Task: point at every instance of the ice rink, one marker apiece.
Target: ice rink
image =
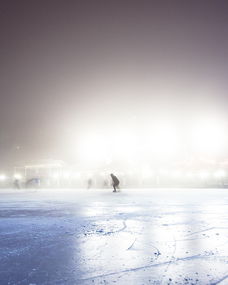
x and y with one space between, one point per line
135 237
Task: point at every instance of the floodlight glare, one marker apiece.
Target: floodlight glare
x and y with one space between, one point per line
2 177
209 137
220 173
18 176
146 173
66 175
125 145
163 171
93 149
163 140
55 175
176 174
76 175
203 175
189 174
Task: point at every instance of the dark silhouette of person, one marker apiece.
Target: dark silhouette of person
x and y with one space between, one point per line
90 182
16 184
115 181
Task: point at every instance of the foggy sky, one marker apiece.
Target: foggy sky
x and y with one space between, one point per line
68 67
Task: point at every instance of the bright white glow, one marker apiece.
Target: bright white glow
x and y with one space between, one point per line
124 146
163 172
146 173
176 174
2 177
162 140
76 175
189 174
158 142
93 149
104 174
209 137
204 174
55 175
66 175
18 176
220 173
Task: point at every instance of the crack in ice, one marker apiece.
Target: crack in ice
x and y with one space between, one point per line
197 256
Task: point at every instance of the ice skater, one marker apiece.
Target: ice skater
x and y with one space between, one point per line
89 183
115 181
16 184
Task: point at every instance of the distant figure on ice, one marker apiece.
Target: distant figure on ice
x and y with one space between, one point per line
105 183
115 181
89 183
16 184
35 182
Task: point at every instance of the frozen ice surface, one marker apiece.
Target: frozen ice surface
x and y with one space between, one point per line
153 236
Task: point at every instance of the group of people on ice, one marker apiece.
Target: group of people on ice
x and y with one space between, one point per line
35 182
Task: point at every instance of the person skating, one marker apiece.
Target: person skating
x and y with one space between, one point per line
89 183
115 181
16 184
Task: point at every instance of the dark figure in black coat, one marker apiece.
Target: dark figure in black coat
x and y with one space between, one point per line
115 181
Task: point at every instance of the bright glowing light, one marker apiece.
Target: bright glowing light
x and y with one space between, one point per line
94 149
2 177
220 173
159 140
176 174
204 174
163 171
162 140
76 175
189 174
55 175
125 146
209 137
146 173
18 176
104 174
66 175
